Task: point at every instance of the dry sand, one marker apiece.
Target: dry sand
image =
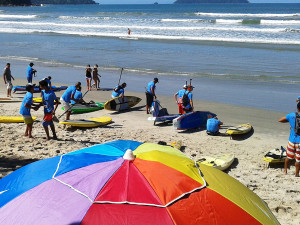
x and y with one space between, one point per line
280 192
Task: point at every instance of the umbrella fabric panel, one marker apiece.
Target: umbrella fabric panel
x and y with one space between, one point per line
115 214
181 164
72 162
90 180
208 207
47 204
237 193
128 185
149 147
26 178
115 148
167 183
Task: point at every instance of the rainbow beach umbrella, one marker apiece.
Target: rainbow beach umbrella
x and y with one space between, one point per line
127 183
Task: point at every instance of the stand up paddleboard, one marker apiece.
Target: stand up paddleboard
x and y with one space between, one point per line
13 119
117 104
221 162
240 129
37 89
4 100
276 155
94 122
40 99
192 120
86 108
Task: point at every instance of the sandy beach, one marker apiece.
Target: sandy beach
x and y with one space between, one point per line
280 192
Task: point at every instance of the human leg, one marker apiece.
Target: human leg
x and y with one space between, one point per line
53 130
290 153
47 132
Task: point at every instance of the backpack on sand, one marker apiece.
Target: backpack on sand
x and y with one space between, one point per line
185 99
297 124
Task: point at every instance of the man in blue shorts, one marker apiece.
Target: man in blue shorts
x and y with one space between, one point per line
292 150
150 94
30 72
213 125
49 99
119 91
67 97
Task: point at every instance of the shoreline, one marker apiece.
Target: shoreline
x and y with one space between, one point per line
276 189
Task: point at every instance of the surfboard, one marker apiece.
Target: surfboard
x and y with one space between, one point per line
191 120
276 155
11 100
116 104
85 108
39 99
37 89
220 162
239 129
13 119
176 144
162 118
94 122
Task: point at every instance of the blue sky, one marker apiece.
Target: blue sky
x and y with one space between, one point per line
171 1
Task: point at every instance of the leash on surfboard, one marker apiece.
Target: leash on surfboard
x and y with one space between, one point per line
73 105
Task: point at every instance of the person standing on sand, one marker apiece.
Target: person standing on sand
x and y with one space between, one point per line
27 104
67 96
96 77
7 79
178 98
30 72
150 94
292 150
49 99
88 77
187 100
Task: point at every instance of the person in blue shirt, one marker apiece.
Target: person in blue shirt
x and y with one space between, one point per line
30 72
26 105
150 94
119 91
292 150
50 104
67 96
78 96
213 125
48 80
188 106
178 98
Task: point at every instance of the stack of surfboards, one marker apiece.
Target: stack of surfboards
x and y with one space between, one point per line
276 155
94 122
117 104
13 119
192 120
239 129
220 162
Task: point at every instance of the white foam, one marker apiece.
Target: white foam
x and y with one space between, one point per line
259 15
280 22
181 20
17 16
226 21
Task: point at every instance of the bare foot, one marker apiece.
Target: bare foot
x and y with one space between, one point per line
25 135
31 137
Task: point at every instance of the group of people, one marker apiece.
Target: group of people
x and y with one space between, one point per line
92 74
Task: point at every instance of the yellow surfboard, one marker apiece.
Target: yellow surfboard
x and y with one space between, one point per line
13 119
39 99
220 162
240 129
94 122
117 104
275 155
11 99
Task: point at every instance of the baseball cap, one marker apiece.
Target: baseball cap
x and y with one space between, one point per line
29 86
156 79
31 64
185 86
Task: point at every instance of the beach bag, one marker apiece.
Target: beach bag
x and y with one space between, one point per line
185 99
154 109
297 124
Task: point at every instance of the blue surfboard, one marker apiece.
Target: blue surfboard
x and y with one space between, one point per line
192 120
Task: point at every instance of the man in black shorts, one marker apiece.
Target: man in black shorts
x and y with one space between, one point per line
150 94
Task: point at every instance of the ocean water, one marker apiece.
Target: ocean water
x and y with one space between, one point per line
241 54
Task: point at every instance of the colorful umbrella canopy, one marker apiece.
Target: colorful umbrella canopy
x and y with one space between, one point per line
154 185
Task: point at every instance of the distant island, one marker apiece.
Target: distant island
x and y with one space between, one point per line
209 1
39 2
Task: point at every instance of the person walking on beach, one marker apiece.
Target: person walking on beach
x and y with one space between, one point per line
293 150
213 125
150 94
96 77
88 77
26 106
7 79
49 99
30 72
67 96
187 100
119 91
178 98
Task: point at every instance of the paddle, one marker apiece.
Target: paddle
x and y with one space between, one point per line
120 76
73 105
